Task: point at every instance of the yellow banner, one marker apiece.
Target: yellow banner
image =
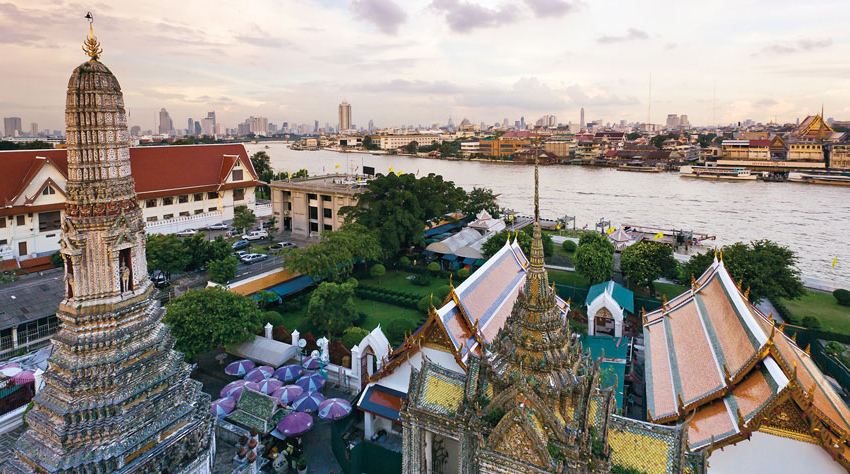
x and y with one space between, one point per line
834 261
610 231
659 235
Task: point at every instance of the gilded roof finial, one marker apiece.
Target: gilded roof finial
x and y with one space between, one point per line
693 282
91 46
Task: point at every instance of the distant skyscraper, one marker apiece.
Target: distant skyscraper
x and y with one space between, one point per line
135 130
197 128
315 126
684 122
190 126
371 125
673 121
522 122
581 122
209 124
12 125
165 125
344 116
33 129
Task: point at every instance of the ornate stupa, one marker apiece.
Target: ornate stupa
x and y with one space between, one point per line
116 396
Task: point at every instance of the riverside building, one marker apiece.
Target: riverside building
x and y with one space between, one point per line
310 206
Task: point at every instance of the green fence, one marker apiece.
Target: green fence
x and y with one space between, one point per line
365 457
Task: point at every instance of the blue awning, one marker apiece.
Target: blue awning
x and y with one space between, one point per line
450 257
383 401
427 253
441 228
468 261
292 286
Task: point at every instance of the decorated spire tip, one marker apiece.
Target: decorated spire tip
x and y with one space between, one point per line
91 46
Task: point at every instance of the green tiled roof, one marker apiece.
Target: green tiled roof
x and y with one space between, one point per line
622 295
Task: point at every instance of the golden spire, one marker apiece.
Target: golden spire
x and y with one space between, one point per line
91 46
537 240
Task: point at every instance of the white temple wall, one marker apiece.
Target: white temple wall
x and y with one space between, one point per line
770 453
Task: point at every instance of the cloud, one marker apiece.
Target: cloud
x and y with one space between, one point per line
799 46
632 34
550 8
465 16
258 37
403 86
384 14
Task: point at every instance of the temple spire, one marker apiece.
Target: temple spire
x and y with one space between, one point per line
537 237
92 46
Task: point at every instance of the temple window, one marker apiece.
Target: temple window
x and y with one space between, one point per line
236 175
125 269
167 201
238 194
150 203
48 191
183 198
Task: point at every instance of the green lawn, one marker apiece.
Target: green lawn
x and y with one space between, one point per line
383 313
397 280
669 289
567 278
832 316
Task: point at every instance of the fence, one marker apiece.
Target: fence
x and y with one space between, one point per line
364 457
828 364
176 224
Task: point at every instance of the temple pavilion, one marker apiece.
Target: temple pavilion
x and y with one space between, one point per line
750 398
497 383
116 396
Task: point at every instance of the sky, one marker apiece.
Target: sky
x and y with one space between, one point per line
422 61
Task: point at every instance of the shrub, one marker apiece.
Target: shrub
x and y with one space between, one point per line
424 303
462 274
280 334
569 246
273 317
377 271
352 336
56 259
404 260
434 267
842 296
811 322
834 347
353 282
422 280
442 292
397 328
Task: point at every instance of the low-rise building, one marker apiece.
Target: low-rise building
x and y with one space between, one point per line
470 147
745 149
392 142
503 147
310 206
805 150
178 187
839 157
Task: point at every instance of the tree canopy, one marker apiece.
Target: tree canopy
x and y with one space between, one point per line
166 254
480 199
331 307
204 320
765 267
398 207
335 255
497 241
222 270
594 257
647 261
261 162
243 218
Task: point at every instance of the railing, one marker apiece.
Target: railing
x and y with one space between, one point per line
263 210
43 332
5 343
176 224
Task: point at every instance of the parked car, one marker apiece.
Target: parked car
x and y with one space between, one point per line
160 280
253 258
240 253
256 235
187 232
218 226
278 246
240 244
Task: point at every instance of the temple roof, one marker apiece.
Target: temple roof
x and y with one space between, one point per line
713 358
621 295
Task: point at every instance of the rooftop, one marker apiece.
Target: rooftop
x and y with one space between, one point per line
337 183
31 298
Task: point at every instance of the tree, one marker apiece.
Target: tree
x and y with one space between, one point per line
222 270
594 262
412 147
266 298
369 143
203 320
433 267
647 261
569 246
331 307
695 266
597 239
377 271
302 173
166 254
842 296
270 227
198 250
398 208
336 254
632 136
219 249
243 218
352 336
398 328
480 199
261 162
497 241
706 140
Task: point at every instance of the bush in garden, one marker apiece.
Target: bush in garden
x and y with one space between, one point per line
462 274
842 296
397 328
404 261
434 267
353 335
811 322
569 246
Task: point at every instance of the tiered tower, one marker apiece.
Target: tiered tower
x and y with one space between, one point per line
117 397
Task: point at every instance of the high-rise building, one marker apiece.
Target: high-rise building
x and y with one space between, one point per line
190 126
12 126
165 125
344 117
684 122
209 124
135 131
522 122
33 129
673 121
315 126
197 128
372 126
581 122
121 383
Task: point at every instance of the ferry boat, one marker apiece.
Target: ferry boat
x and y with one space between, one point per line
716 172
640 168
817 178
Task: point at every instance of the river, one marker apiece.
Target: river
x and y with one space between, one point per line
810 219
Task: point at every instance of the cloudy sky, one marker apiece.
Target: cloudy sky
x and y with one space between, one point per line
421 61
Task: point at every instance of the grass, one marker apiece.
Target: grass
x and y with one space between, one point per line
567 278
668 289
383 313
397 280
833 317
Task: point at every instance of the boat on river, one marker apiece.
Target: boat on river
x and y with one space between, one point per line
640 168
716 172
820 178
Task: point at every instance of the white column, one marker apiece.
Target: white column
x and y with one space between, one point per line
368 429
591 330
429 440
618 328
14 337
355 364
295 337
268 328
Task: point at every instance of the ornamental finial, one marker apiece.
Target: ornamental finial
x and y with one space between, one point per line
91 46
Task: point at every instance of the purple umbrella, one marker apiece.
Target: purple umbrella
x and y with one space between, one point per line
259 373
308 402
295 424
11 369
268 386
222 406
24 377
334 409
288 394
311 364
312 382
239 368
288 373
233 389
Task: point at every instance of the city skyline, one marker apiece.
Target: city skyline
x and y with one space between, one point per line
485 61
